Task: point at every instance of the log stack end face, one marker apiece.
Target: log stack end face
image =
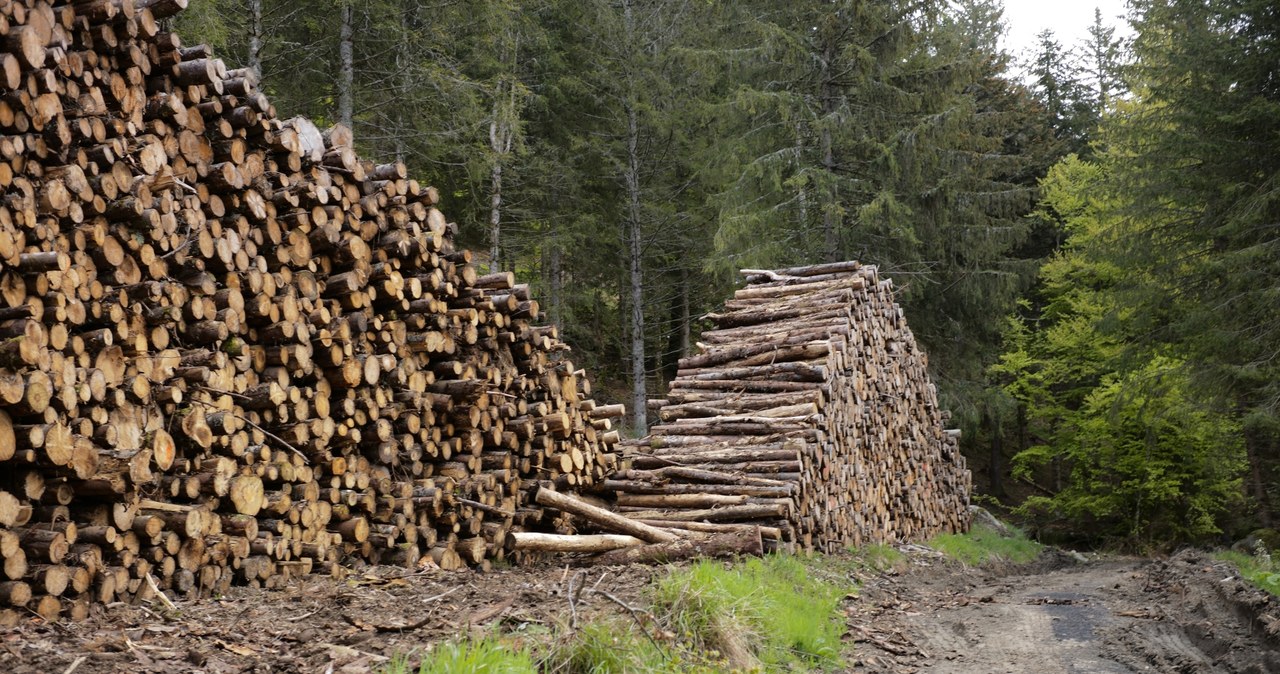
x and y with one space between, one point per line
810 412
233 351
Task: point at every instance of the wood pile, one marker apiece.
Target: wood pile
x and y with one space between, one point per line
233 351
809 412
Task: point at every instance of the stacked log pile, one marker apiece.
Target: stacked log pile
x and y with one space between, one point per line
233 351
809 411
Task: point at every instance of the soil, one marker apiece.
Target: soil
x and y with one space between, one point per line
1186 613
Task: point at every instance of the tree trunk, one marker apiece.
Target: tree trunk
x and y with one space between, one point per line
996 486
802 195
346 66
255 36
639 396
686 320
830 223
555 284
495 201
1255 448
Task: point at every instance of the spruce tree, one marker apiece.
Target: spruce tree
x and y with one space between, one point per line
1199 155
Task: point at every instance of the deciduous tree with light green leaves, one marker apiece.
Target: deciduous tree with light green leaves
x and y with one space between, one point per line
1119 445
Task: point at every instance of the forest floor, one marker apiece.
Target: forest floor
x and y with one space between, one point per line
1186 613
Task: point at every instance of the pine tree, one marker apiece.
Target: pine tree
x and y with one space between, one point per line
1198 154
1104 56
1059 86
887 133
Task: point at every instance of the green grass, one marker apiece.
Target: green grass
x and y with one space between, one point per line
487 656
1257 569
780 613
769 613
880 557
607 648
983 545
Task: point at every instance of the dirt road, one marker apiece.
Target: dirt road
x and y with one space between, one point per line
1185 614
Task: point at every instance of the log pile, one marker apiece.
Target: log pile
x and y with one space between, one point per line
809 411
233 351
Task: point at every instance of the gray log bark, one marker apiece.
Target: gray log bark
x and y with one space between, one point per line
346 66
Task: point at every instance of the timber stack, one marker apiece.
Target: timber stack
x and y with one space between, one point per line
233 351
808 412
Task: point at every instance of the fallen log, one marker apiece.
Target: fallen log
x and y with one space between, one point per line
603 518
730 544
529 541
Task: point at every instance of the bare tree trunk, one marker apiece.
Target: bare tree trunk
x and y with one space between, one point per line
686 321
255 36
555 284
639 396
502 132
802 198
1254 446
404 83
495 207
346 65
994 468
830 224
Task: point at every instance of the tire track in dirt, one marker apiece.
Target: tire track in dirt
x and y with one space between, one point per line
1185 614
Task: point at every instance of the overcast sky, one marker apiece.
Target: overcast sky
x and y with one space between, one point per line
1068 19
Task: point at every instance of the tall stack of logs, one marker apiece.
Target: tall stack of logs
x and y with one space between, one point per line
233 351
808 412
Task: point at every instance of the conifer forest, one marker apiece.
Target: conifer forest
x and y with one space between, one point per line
1085 239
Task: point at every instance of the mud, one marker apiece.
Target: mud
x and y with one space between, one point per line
1187 613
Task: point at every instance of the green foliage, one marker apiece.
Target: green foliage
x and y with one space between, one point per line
771 610
983 545
1199 160
487 655
884 132
1148 464
1257 568
620 647
1145 365
1130 452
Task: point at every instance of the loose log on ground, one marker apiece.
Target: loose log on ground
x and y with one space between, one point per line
528 541
603 518
736 543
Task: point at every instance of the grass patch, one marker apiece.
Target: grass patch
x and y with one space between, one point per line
610 648
768 613
488 655
1258 569
775 614
983 545
880 558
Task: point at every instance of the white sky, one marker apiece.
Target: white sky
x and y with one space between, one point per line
1068 19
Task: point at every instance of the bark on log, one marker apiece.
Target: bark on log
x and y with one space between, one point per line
529 541
603 518
744 542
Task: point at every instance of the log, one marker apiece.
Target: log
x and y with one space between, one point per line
529 541
603 518
731 544
278 343
809 411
